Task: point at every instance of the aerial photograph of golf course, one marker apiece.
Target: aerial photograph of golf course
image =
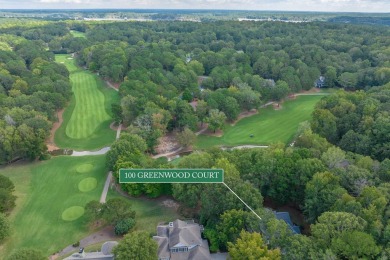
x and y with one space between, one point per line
290 107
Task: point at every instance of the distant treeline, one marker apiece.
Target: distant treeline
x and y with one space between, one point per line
361 20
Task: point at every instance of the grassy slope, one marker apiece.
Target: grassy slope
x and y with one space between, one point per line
45 190
87 118
77 34
269 126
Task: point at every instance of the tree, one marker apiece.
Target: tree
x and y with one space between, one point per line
123 226
230 107
201 110
248 98
4 227
250 246
137 246
125 147
321 193
27 254
331 224
355 245
93 210
117 113
230 225
280 91
186 137
7 200
187 95
216 119
324 123
333 157
348 80
117 209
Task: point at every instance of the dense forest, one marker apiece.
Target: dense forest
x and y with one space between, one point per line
32 88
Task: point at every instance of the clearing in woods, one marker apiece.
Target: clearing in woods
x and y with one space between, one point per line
268 126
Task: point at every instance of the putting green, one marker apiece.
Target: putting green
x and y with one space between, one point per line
87 184
72 213
83 168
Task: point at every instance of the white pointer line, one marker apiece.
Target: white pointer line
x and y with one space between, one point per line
242 201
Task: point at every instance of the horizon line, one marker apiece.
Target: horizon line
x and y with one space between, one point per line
185 9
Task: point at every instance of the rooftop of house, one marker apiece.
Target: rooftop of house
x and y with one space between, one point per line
285 216
185 235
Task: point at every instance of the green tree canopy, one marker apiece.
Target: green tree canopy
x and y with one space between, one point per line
136 245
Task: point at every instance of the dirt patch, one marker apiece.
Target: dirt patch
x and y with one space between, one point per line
51 146
114 126
170 204
113 85
245 114
167 144
217 133
194 104
310 91
277 106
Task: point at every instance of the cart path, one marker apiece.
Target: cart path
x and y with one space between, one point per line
106 234
106 186
104 150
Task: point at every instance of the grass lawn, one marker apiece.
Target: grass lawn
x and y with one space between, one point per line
77 34
268 126
87 118
48 215
51 196
149 212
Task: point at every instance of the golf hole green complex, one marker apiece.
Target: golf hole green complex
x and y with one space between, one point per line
83 168
72 213
87 184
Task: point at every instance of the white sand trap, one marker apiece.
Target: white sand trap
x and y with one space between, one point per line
84 153
70 58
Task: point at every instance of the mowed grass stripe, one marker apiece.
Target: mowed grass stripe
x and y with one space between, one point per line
268 126
89 111
87 118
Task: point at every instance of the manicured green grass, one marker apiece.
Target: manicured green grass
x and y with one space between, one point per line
87 184
268 126
50 206
77 34
48 192
88 116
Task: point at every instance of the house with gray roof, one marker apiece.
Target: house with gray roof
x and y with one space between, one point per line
104 254
181 240
285 216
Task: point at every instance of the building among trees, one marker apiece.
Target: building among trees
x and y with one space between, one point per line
181 240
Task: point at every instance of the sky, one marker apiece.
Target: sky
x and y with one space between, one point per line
382 6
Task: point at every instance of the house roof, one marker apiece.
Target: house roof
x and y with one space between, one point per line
181 234
285 216
163 249
185 236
